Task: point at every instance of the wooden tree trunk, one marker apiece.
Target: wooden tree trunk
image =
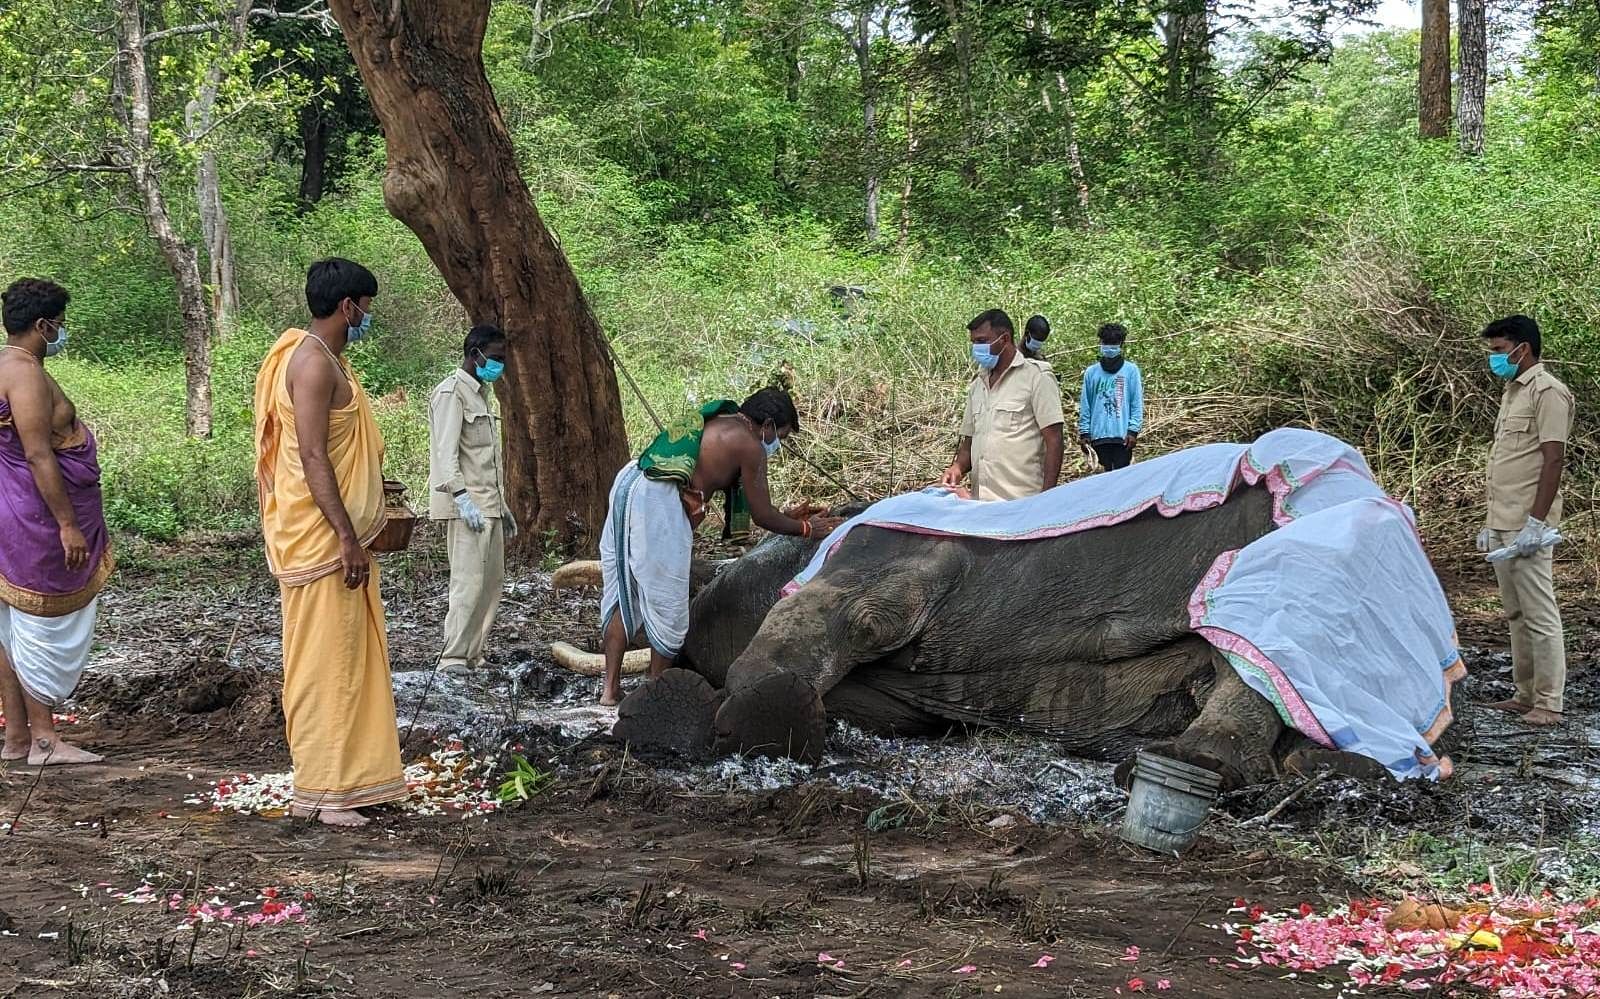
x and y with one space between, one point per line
181 258
200 118
862 44
453 180
1473 45
1433 76
314 159
905 189
1069 120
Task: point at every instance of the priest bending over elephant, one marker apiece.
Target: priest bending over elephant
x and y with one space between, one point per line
1143 608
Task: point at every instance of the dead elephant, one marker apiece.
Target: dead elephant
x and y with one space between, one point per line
1084 638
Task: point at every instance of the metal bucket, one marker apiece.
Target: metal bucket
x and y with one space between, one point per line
1167 803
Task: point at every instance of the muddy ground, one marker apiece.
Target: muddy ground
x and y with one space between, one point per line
918 869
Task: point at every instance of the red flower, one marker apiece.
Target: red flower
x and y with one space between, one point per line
308 897
1306 909
1256 912
1136 985
1247 934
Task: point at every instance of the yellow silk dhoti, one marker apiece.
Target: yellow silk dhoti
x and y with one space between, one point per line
338 703
338 700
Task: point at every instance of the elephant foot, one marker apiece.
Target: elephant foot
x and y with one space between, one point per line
673 713
1233 737
777 715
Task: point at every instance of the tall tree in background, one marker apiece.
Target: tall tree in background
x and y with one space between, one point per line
453 179
1433 74
1473 47
133 103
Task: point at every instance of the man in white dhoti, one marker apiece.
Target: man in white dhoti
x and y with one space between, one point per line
657 503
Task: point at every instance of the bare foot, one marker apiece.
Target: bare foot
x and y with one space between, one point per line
57 752
610 698
345 818
16 750
1541 717
1510 706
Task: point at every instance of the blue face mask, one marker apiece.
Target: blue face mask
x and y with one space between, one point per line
56 346
491 369
1501 365
1033 344
773 446
983 356
355 334
1110 350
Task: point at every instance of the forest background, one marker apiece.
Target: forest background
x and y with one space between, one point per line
1303 218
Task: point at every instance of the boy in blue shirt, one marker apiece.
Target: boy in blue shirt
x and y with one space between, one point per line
1111 405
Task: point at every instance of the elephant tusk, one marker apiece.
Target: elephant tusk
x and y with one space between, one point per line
575 574
571 657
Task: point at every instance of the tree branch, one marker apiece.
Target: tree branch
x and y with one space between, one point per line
316 12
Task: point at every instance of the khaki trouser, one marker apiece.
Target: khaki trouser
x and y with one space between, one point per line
1538 651
477 575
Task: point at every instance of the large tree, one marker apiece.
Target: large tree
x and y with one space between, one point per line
453 179
1474 55
1433 71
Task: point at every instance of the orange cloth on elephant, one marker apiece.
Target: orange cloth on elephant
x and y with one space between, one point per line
338 698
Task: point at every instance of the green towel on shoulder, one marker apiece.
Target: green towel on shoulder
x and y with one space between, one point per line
675 452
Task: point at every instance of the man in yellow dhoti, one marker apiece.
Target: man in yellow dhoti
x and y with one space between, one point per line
319 459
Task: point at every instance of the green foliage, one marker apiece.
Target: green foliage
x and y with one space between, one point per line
523 782
1301 258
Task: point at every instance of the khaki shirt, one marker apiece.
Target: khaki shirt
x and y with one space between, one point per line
1005 424
463 448
1535 408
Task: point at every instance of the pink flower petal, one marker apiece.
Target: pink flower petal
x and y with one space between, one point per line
904 964
737 966
966 969
823 957
699 934
1163 985
1044 961
838 966
1131 954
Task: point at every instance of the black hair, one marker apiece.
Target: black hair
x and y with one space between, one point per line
331 281
481 337
29 300
1037 327
1113 334
772 405
1517 329
995 318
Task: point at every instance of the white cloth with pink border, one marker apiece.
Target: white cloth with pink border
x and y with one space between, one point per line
1336 617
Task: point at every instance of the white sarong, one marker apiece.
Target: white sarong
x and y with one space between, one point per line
645 552
48 653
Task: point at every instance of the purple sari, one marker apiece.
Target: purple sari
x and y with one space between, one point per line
34 577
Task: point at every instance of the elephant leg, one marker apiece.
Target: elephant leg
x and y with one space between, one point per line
672 713
1234 736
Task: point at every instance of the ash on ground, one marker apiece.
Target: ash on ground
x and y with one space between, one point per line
1513 783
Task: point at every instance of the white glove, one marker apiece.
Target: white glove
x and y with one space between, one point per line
510 524
469 512
1485 539
1532 537
1535 534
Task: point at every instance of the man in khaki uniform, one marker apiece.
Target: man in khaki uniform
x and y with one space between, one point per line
1011 429
465 488
1530 436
